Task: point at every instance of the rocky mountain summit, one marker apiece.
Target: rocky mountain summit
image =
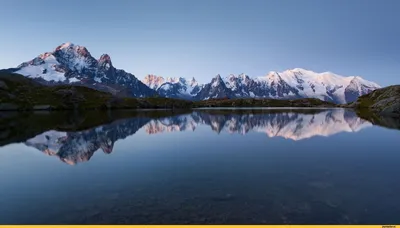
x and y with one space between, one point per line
73 64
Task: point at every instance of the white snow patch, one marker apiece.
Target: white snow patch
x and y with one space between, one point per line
215 83
165 86
50 141
80 63
47 70
97 79
71 80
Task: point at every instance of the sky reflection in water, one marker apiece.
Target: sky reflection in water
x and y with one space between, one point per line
208 166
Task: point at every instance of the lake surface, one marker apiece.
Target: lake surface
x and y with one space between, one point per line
201 167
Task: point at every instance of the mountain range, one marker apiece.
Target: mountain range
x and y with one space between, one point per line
80 146
290 84
73 64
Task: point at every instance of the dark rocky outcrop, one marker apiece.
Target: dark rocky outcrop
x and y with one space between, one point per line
385 102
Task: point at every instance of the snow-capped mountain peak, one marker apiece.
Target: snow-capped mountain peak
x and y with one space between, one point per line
172 79
217 80
193 82
217 88
243 76
105 61
105 58
153 81
173 87
65 46
73 50
273 78
70 63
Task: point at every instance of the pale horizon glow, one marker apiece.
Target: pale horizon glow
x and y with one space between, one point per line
200 39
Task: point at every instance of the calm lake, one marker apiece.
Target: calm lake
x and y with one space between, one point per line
266 166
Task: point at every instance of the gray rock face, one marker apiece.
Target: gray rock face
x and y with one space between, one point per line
171 90
393 110
3 86
356 89
215 89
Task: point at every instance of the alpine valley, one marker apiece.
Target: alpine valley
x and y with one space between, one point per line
73 64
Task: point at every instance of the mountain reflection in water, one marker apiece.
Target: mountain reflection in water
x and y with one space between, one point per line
202 166
79 146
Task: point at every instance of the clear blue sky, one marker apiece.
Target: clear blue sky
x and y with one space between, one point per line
200 38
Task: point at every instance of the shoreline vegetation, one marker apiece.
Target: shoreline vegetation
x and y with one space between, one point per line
18 93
